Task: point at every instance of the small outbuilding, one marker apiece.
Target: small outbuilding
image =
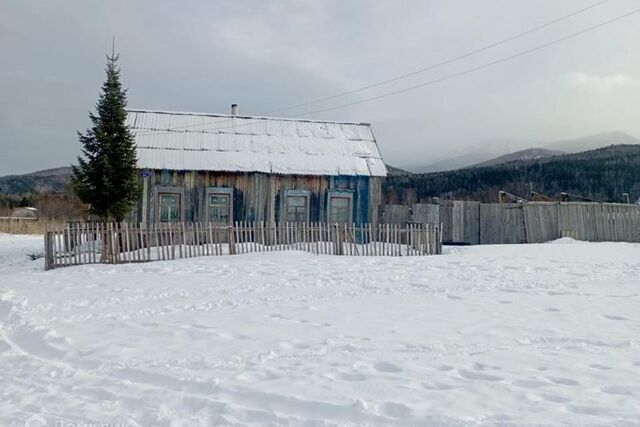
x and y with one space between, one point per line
25 213
217 168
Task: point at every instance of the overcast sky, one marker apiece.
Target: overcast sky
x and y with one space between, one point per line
204 55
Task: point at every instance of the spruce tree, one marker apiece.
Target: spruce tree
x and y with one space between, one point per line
106 175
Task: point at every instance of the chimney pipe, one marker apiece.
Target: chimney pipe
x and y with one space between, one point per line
234 109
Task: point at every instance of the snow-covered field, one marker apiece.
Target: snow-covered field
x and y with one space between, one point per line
494 335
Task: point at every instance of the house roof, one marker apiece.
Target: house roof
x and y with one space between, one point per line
214 142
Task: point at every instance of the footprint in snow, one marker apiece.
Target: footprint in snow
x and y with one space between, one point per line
396 410
554 398
564 381
612 317
624 391
477 376
437 386
387 367
353 376
588 410
529 383
600 367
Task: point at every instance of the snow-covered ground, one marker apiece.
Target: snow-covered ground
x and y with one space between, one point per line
492 335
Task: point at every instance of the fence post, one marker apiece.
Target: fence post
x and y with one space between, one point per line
48 251
232 240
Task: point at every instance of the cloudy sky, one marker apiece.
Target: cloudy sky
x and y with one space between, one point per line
197 55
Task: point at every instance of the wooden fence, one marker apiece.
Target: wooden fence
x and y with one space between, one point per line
475 223
94 243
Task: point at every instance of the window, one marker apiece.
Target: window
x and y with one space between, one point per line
296 206
169 207
219 205
296 209
340 210
220 208
340 207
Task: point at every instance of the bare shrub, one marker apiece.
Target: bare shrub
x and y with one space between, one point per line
20 226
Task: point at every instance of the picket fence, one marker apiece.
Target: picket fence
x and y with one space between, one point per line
114 243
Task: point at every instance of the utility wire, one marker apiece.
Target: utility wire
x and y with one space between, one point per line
422 70
446 62
480 67
462 73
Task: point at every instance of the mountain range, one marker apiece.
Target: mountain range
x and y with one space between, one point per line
46 181
500 151
603 174
492 155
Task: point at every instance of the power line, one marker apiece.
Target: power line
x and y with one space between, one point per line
425 69
446 62
480 67
451 76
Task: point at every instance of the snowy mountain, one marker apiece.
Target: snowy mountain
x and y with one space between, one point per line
528 154
593 142
474 154
501 151
45 181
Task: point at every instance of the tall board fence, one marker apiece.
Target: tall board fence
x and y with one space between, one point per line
115 243
473 223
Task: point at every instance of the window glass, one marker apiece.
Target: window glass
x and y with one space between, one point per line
340 210
296 209
220 208
169 206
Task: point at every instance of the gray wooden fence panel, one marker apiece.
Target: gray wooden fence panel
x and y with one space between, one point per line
535 222
471 223
423 213
502 223
446 219
541 222
567 221
396 214
599 222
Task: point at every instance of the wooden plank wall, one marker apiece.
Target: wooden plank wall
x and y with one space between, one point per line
396 214
541 222
537 222
425 213
502 223
446 219
257 196
600 222
466 222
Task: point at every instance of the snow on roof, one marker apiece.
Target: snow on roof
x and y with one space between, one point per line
215 142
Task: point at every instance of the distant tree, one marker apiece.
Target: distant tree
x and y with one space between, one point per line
25 202
106 175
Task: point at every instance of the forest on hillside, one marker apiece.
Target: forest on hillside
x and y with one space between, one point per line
602 174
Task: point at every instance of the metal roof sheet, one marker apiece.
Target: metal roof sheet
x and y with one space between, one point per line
197 141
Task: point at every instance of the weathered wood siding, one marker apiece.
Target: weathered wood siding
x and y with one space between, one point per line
466 228
502 224
541 222
460 221
396 214
258 196
538 222
425 213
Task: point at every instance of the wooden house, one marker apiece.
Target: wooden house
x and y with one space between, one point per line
226 168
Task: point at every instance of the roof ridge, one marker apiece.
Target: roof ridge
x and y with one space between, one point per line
288 119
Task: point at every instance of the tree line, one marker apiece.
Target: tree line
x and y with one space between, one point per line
603 175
